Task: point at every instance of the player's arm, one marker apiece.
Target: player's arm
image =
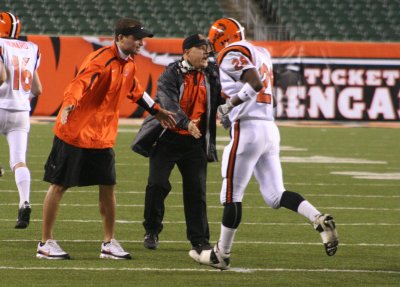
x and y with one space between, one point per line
36 89
168 97
3 73
87 78
166 118
252 85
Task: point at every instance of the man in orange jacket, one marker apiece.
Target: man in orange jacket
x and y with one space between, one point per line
85 133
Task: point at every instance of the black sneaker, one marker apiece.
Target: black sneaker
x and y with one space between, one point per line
150 241
24 214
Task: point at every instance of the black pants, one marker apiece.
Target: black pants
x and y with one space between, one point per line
188 154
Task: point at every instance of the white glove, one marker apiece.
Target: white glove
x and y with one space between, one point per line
225 108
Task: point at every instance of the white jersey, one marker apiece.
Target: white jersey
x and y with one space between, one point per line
233 61
21 59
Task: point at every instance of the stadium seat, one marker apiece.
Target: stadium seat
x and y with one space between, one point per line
343 20
167 18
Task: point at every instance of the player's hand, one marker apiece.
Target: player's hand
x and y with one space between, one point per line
225 121
65 113
193 129
225 108
166 118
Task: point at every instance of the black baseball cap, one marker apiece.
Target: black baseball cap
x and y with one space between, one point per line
194 40
133 27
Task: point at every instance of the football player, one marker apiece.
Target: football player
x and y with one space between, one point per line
19 82
247 79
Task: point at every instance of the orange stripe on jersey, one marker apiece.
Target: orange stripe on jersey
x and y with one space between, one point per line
237 48
231 163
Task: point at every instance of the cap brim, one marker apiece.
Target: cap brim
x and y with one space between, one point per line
143 34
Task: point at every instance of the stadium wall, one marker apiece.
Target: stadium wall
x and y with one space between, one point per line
313 80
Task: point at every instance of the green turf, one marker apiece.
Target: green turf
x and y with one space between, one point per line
272 247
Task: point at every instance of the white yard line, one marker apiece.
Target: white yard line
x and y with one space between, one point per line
236 242
205 269
213 206
212 222
217 193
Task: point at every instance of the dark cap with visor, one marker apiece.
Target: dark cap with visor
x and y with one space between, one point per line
133 27
194 40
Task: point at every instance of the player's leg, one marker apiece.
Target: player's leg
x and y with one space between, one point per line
110 248
107 203
268 173
62 170
17 141
17 126
238 161
51 206
161 164
193 168
48 248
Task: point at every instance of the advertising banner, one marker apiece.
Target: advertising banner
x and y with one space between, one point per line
313 80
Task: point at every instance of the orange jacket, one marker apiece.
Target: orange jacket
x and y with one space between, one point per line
96 92
194 100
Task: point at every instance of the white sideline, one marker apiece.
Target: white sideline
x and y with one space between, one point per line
237 269
236 242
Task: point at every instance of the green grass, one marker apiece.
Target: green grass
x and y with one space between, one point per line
272 247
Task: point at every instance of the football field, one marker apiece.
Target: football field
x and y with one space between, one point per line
350 172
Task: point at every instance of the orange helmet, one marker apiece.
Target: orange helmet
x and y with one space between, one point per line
225 31
9 25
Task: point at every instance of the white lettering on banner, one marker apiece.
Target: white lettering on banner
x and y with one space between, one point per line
391 76
347 104
381 105
294 95
312 75
373 78
339 77
356 77
321 101
398 110
351 77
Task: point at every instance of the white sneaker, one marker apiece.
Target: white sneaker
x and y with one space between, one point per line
325 225
113 250
213 257
51 250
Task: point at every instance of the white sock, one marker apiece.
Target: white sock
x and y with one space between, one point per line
226 239
23 181
308 210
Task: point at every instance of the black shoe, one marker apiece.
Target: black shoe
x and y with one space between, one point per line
24 214
150 241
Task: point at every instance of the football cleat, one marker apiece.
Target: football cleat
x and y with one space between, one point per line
113 250
211 257
50 250
150 241
24 214
325 225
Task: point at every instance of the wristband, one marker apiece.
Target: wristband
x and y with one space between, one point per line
247 92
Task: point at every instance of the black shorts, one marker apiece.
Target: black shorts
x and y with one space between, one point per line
70 166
